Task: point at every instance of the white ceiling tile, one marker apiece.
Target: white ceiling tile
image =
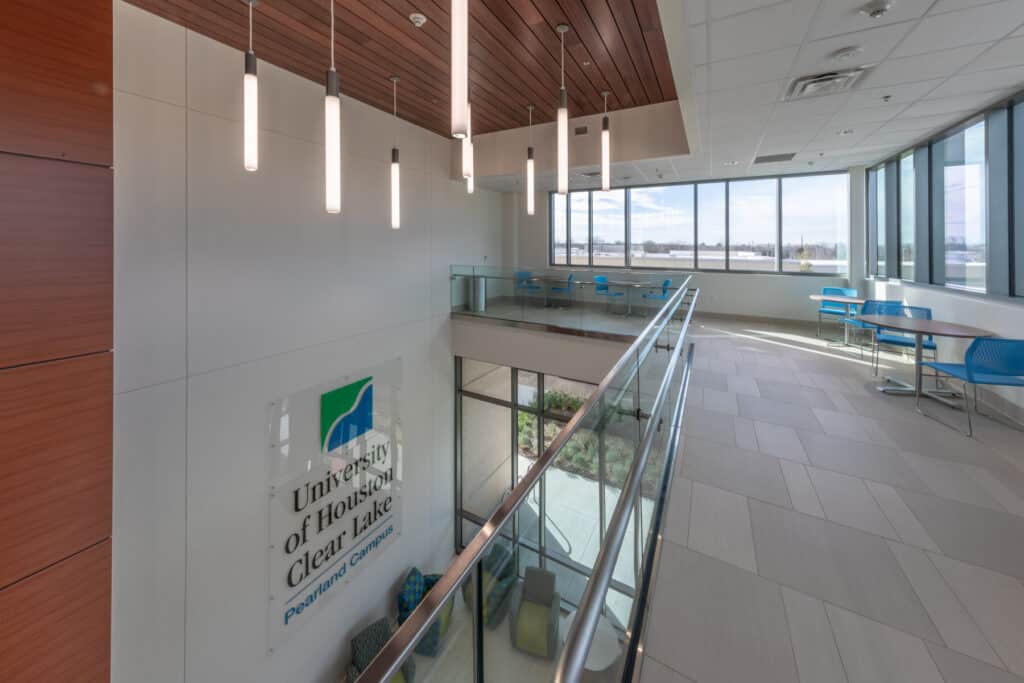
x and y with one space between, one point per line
734 73
734 98
810 107
901 94
790 125
975 25
761 30
698 44
921 67
829 140
874 43
981 81
700 79
843 16
953 5
852 117
947 105
725 8
696 11
918 123
1009 52
782 144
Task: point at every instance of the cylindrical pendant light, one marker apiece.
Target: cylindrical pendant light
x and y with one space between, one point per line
396 205
250 111
606 149
460 68
469 185
529 168
467 145
332 134
563 124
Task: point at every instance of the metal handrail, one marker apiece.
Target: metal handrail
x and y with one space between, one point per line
588 613
401 645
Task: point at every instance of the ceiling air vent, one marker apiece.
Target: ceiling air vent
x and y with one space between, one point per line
582 130
827 83
774 158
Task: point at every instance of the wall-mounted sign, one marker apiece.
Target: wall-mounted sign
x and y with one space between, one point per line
334 495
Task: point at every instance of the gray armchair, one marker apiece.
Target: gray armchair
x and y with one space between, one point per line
533 622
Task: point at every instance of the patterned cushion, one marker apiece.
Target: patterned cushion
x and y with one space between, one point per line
412 592
369 642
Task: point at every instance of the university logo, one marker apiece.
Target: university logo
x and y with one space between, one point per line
345 413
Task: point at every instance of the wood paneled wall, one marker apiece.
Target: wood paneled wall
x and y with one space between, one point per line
56 335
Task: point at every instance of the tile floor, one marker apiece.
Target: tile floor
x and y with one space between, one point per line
821 532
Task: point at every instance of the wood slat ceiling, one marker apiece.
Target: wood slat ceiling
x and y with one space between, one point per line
614 45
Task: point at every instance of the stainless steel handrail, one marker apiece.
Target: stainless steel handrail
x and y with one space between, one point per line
401 645
588 613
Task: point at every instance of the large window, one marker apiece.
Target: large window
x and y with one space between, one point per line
964 207
753 224
908 215
880 224
609 216
744 220
711 226
815 223
661 224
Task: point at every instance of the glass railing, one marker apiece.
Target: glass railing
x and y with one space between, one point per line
506 609
583 300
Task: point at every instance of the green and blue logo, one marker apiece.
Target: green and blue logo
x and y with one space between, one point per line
346 413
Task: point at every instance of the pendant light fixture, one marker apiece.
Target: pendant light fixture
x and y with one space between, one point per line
606 149
332 134
460 68
250 110
529 166
467 150
396 207
563 124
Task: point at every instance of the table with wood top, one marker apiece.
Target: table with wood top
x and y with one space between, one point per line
840 299
920 327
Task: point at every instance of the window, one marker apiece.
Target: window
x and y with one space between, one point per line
559 230
908 213
815 223
880 192
753 216
964 198
579 228
711 226
661 226
609 218
655 227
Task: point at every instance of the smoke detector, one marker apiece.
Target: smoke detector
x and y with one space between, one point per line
846 53
417 19
876 9
827 83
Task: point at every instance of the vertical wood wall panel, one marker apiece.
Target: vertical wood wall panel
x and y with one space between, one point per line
56 79
55 474
56 624
56 259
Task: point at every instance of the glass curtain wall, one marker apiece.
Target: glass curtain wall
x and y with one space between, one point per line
609 220
908 215
579 228
964 207
559 229
711 226
753 224
661 224
815 223
880 223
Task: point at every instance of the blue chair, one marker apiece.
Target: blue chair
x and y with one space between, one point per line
998 362
566 290
872 307
900 339
835 308
654 295
601 289
524 283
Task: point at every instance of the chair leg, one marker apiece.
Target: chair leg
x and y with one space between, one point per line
967 408
819 325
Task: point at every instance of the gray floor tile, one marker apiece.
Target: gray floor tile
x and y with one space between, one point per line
907 526
846 500
717 623
876 653
970 533
707 378
779 441
952 480
705 424
958 668
720 526
745 472
785 392
746 437
847 567
720 401
995 602
933 439
869 461
853 427
955 625
743 384
677 517
656 672
817 657
787 414
801 491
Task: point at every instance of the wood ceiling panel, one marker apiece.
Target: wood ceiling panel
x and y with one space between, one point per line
614 45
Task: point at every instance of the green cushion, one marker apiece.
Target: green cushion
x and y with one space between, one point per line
532 629
368 642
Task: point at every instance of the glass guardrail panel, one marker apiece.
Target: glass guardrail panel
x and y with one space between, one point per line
445 649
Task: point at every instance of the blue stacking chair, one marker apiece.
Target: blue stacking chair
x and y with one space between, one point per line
601 289
872 307
654 295
834 308
567 289
524 285
900 339
998 362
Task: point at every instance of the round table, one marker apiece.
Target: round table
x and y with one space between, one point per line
604 653
841 299
920 327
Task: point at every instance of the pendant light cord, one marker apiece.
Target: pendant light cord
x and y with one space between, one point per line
394 91
562 35
332 34
606 102
530 128
250 27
